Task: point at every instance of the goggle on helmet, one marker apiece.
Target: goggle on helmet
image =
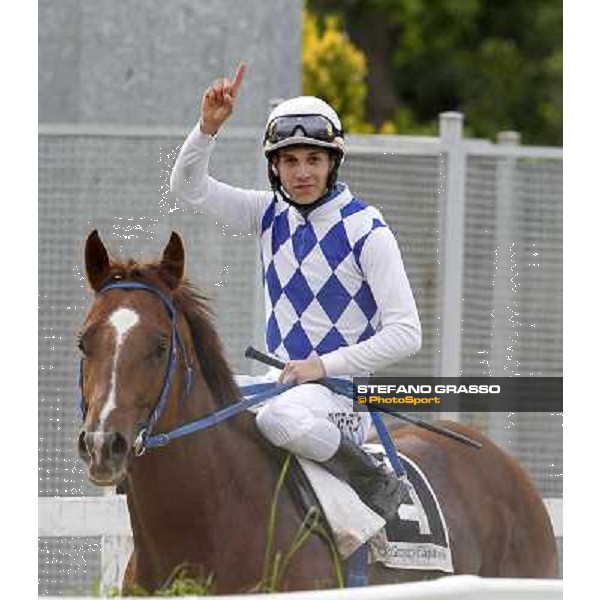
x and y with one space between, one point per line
305 120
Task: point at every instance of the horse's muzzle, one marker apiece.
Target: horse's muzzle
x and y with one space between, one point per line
106 455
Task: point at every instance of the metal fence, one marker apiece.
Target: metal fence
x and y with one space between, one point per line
487 215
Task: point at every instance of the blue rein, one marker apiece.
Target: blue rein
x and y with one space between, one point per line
269 390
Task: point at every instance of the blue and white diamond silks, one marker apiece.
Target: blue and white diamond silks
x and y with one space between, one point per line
316 297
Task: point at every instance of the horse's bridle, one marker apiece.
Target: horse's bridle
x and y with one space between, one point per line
175 343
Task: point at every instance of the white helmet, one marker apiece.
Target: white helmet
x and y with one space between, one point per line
304 120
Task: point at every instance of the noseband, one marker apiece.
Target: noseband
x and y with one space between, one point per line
176 342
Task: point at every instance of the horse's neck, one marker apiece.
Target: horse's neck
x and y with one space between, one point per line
208 492
207 477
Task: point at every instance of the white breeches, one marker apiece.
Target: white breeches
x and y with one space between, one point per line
309 419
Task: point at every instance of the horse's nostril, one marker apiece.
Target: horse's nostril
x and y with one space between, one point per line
118 445
99 447
82 446
88 440
85 445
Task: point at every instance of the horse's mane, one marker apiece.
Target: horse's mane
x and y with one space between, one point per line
207 344
200 317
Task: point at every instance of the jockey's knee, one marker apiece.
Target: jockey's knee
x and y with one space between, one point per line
297 430
281 423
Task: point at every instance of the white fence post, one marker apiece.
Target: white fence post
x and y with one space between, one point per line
116 549
504 303
503 355
451 228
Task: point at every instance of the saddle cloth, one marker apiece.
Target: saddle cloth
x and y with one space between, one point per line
417 539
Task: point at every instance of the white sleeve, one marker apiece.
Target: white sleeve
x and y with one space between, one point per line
239 208
400 332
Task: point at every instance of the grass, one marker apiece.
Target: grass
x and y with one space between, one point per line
276 563
180 583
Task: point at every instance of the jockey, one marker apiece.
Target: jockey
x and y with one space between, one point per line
337 298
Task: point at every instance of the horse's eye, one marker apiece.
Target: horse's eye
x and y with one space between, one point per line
161 348
81 345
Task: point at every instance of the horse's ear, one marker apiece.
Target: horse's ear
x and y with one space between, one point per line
173 260
97 263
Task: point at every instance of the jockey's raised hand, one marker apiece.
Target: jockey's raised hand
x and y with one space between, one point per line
218 101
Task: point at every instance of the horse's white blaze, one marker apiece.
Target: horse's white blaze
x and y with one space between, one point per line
122 320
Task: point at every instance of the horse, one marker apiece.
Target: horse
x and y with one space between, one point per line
151 359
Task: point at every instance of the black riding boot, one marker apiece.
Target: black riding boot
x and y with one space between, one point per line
380 489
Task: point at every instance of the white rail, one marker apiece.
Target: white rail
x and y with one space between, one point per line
88 516
465 587
108 518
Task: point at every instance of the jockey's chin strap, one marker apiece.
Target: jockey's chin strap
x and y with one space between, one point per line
175 343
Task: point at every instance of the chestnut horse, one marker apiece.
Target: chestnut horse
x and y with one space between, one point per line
151 359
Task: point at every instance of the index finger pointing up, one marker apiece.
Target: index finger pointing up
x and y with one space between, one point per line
238 78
